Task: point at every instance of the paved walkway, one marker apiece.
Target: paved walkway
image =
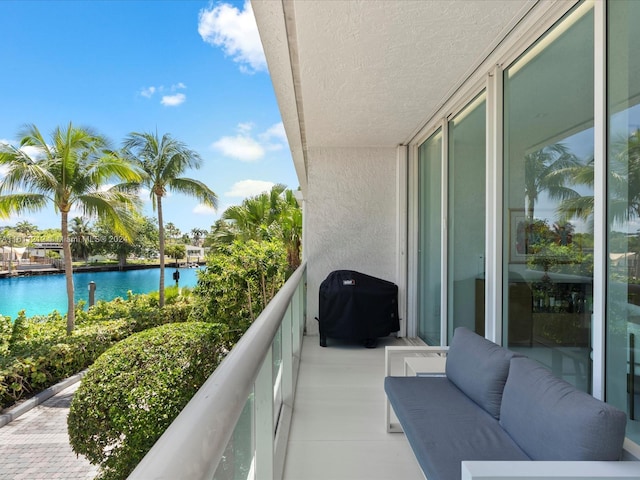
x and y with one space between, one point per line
35 446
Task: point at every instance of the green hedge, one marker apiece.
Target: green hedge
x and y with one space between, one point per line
24 375
36 352
133 392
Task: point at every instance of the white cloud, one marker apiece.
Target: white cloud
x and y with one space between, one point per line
245 127
144 194
167 100
148 92
173 100
246 148
106 187
236 32
202 209
241 147
275 132
33 152
249 188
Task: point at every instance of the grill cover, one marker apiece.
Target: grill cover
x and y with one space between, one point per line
355 306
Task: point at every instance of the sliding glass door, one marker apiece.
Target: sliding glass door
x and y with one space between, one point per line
467 217
623 200
548 199
429 238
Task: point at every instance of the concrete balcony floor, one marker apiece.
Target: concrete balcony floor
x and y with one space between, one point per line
338 426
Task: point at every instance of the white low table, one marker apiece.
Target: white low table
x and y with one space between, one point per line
424 366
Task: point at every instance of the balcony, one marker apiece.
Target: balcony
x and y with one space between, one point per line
338 430
280 406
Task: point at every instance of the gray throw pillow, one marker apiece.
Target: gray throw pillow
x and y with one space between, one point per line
550 419
479 368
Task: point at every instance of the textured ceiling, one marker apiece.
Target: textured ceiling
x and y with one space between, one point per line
372 71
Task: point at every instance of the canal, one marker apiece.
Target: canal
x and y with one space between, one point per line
41 294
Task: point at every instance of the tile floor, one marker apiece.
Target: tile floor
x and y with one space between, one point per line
338 427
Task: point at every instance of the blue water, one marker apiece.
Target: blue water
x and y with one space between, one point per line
41 294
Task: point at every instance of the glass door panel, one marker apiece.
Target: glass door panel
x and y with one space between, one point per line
548 199
429 238
467 217
623 211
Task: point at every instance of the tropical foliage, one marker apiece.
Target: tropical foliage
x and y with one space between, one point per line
163 161
72 170
239 281
80 237
270 215
36 352
142 243
549 170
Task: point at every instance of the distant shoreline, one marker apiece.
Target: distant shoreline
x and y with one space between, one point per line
86 268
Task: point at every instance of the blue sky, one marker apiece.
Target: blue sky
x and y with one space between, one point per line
193 69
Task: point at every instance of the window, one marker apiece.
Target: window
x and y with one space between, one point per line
467 217
429 238
623 213
548 199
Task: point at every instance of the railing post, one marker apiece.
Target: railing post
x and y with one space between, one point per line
287 356
298 318
264 426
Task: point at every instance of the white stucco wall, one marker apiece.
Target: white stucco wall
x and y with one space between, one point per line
350 221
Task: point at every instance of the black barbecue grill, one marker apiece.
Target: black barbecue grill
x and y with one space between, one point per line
355 306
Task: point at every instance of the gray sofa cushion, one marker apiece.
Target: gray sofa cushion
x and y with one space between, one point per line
479 368
551 420
445 427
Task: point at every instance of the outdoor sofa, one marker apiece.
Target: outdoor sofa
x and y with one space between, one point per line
495 407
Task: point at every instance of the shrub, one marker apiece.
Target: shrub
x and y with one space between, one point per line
240 280
52 359
36 352
133 392
6 330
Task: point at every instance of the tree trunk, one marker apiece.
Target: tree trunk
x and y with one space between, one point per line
122 260
68 272
161 242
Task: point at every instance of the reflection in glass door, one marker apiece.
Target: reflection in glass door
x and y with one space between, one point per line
623 212
429 238
548 199
467 218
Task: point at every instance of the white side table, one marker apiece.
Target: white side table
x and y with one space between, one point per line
427 366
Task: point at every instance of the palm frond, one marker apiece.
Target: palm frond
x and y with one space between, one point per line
20 203
194 188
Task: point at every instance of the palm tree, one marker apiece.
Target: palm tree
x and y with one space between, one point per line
197 234
623 183
26 227
291 225
162 161
71 171
172 231
271 214
251 220
80 238
547 170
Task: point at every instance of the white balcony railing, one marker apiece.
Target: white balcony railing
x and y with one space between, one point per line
237 424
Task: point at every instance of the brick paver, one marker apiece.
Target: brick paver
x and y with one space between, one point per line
35 446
